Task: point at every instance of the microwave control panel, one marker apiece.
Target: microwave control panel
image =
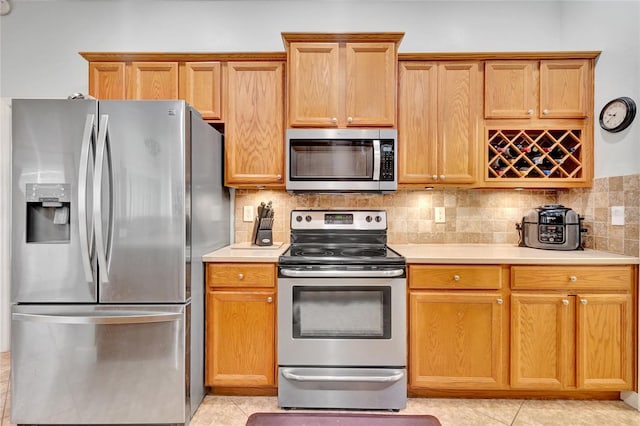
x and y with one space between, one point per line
387 166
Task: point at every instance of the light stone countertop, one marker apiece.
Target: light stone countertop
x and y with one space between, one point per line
444 254
506 254
245 252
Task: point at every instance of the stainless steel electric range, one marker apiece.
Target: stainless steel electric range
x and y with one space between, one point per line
341 313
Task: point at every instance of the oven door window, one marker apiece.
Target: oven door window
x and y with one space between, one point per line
360 312
331 160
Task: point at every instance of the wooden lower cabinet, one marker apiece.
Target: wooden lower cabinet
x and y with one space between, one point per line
240 342
457 340
565 331
564 342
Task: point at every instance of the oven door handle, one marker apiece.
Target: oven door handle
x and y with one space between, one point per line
342 274
287 374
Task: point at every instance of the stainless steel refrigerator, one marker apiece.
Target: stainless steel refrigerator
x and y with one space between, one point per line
114 203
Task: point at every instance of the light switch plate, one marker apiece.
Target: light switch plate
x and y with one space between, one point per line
439 215
247 214
617 215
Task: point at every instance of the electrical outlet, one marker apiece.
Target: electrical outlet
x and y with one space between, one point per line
617 215
247 215
439 215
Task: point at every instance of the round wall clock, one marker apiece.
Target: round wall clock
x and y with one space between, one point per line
617 114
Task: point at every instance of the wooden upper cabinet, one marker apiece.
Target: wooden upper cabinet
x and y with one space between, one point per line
153 80
438 122
370 83
342 80
545 89
313 84
107 80
564 85
201 87
254 126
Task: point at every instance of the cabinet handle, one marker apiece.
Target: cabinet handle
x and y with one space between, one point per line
240 276
269 299
278 177
530 112
349 119
545 112
435 177
456 277
583 301
500 301
441 177
573 278
565 302
334 120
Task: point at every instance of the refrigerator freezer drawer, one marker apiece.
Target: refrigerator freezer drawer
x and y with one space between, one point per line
99 364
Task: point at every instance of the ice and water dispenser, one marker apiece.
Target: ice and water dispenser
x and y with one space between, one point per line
48 208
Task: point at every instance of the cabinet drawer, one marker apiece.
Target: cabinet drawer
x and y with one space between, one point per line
241 275
455 276
572 277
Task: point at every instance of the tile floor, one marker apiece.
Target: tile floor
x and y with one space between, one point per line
234 410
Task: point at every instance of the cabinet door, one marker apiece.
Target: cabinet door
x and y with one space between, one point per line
542 336
370 84
459 100
417 128
201 88
254 132
509 89
240 338
107 80
605 353
456 340
564 88
153 80
313 84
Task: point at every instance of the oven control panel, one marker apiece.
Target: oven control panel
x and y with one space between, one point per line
333 219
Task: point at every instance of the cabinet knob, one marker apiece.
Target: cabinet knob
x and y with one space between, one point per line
530 111
456 277
565 302
278 177
349 119
435 177
583 301
240 276
334 120
573 278
441 177
269 299
545 111
500 301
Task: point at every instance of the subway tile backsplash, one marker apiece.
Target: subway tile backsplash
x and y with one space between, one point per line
471 215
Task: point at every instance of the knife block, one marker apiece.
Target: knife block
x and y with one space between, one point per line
262 234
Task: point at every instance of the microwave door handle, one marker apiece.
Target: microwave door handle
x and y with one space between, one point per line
376 159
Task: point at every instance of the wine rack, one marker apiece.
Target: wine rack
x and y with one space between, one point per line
534 154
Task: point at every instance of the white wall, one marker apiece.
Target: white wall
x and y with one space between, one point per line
40 41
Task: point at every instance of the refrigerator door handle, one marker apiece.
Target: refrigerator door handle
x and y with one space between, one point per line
86 232
101 318
101 153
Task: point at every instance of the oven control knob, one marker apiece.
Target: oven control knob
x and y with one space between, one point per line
308 218
368 218
378 218
299 218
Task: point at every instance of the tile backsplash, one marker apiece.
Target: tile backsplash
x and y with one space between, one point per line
471 215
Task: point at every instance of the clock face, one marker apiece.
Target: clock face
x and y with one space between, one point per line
617 114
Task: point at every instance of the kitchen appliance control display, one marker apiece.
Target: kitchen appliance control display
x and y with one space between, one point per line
339 219
551 234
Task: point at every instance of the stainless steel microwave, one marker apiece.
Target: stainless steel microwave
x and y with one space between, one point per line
341 160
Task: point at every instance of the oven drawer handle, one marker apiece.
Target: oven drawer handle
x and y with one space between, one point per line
342 274
374 379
